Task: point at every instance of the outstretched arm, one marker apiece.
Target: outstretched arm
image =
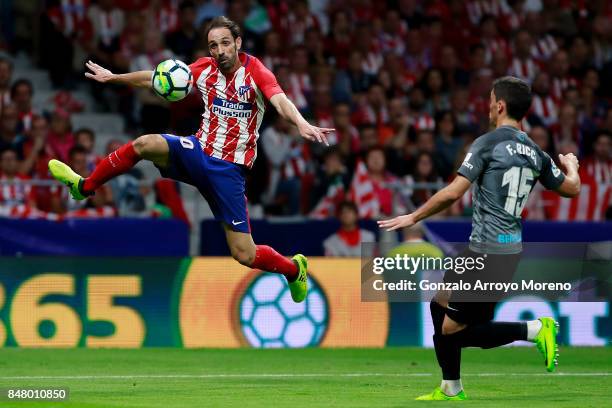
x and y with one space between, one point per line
138 79
289 112
571 184
438 202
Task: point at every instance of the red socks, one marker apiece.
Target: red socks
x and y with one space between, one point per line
116 163
267 259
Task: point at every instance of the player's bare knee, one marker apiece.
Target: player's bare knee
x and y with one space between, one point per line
148 144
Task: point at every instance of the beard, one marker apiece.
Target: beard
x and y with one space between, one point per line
226 63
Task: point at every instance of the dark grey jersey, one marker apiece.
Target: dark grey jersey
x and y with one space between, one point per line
503 166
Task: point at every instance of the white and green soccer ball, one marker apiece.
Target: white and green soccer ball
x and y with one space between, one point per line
172 80
270 318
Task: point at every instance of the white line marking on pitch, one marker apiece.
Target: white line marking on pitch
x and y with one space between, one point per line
282 375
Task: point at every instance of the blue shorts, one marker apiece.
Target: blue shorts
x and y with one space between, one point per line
220 182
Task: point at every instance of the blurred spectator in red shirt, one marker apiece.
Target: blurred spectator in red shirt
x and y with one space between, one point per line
36 150
376 164
60 139
340 40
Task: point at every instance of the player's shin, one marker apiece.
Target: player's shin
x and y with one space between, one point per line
448 354
116 163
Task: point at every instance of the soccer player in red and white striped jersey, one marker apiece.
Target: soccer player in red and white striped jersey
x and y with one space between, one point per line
233 86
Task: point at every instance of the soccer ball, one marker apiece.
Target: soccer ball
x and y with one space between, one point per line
270 318
172 80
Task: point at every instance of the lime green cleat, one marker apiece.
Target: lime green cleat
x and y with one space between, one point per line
546 341
438 395
64 174
299 287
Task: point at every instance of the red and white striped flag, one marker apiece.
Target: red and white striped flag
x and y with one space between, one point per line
590 205
363 194
328 205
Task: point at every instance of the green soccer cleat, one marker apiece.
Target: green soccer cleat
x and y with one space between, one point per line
64 174
438 395
546 341
299 287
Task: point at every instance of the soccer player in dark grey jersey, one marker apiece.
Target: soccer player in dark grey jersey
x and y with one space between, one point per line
503 166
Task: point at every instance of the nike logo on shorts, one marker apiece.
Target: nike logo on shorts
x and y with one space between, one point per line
234 223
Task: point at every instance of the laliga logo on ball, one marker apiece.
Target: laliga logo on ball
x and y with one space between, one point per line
172 80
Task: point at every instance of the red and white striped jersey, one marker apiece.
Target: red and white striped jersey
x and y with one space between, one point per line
478 8
234 107
544 47
590 205
12 195
560 85
423 122
545 108
362 192
495 45
524 69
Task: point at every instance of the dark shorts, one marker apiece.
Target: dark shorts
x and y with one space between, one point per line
464 307
220 182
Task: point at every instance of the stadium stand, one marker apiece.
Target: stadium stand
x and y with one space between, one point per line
408 79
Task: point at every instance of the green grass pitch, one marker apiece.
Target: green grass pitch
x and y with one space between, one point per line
390 377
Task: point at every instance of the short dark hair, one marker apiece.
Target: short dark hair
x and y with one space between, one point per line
602 133
8 62
516 93
186 4
224 22
76 149
89 132
19 83
349 205
9 149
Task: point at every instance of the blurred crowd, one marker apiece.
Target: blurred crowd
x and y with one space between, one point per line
405 83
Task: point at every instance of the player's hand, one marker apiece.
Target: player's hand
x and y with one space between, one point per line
313 133
568 161
397 222
98 73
